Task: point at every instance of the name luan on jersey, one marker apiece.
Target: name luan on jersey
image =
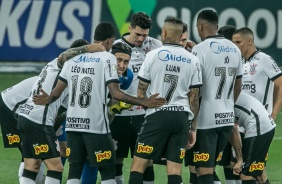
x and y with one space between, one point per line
259 72
171 72
137 57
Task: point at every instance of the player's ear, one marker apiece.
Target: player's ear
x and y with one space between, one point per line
129 28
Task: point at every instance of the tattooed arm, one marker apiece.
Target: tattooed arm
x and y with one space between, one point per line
142 89
70 53
194 106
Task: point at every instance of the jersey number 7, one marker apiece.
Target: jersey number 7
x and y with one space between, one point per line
221 71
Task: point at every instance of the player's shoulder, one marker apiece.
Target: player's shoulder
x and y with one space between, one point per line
153 42
262 56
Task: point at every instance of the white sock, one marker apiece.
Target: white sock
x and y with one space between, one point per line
25 180
73 181
238 182
119 179
50 180
230 182
21 168
111 181
40 175
217 182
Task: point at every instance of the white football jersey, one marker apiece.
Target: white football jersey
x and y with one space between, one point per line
259 72
47 80
171 71
252 115
137 58
221 64
18 94
87 76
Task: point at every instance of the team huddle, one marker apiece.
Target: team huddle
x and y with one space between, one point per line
211 103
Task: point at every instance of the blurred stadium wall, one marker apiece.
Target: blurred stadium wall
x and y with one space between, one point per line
33 32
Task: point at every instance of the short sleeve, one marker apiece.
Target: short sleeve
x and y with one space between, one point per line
111 74
270 68
145 72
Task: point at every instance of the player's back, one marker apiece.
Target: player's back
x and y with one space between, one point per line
172 71
87 76
252 115
221 63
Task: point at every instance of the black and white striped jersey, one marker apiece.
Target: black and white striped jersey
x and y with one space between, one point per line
171 71
221 64
252 116
259 72
137 58
87 76
47 80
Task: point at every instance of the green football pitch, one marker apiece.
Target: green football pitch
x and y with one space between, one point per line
10 158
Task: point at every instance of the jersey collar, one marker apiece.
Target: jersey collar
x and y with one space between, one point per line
215 36
253 55
124 40
173 44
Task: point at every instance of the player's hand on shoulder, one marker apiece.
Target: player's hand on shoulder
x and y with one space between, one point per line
154 101
189 45
95 47
40 99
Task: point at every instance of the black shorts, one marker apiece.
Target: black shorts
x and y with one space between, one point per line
125 130
229 154
163 135
255 153
9 127
209 146
97 148
38 141
189 157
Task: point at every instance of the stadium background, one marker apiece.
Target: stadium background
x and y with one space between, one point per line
33 32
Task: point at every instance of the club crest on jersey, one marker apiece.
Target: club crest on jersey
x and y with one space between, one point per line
253 69
43 148
13 138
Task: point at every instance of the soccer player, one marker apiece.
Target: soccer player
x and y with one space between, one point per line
188 44
125 126
221 65
39 141
228 156
261 74
89 77
173 72
260 129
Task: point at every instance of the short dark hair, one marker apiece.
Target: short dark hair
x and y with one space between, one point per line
185 27
244 31
208 15
121 47
141 19
103 31
79 43
227 31
173 20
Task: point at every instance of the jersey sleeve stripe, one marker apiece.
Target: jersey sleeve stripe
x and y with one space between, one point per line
239 76
276 76
63 79
242 109
111 81
144 80
195 86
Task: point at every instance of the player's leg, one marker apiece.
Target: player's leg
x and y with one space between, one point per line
121 130
101 154
176 144
89 174
77 156
254 151
188 161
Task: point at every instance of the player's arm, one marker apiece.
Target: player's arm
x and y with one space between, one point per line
277 97
194 106
70 53
151 102
235 140
44 98
237 88
142 89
